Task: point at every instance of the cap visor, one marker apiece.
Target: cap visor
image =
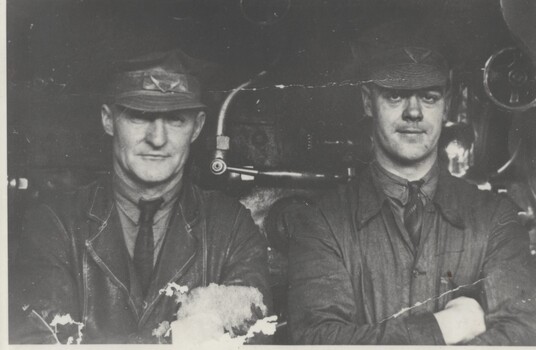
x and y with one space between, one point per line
409 77
158 102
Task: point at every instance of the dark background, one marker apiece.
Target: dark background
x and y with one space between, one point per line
60 52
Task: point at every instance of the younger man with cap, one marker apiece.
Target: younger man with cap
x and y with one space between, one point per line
104 253
408 254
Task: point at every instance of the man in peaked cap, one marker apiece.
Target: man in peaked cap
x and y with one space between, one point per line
406 253
103 253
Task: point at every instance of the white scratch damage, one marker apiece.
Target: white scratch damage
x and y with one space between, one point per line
419 303
300 86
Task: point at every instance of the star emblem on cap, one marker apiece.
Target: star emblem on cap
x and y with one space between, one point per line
163 85
417 54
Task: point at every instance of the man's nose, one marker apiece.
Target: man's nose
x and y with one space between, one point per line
156 133
413 111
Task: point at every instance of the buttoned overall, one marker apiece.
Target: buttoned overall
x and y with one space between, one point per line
355 279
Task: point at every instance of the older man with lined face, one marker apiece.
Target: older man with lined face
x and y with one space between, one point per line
104 253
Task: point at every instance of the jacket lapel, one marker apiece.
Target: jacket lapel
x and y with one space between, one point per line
447 199
370 200
106 244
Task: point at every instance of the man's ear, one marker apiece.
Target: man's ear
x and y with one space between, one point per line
367 100
107 119
199 122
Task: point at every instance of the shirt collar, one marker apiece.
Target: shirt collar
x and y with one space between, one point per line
102 201
370 198
396 187
127 198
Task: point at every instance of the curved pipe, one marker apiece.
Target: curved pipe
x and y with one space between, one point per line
220 129
218 166
510 161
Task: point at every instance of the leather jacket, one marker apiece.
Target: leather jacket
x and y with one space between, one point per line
352 280
73 260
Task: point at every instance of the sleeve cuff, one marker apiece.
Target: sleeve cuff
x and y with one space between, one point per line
423 329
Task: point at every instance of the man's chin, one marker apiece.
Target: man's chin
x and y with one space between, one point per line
412 158
154 180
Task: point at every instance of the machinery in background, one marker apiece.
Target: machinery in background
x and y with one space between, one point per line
292 131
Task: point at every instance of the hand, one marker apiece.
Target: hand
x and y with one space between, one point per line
461 320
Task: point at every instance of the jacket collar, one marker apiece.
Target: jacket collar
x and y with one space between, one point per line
396 187
106 246
371 199
102 201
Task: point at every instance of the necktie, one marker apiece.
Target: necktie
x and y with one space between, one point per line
413 212
144 249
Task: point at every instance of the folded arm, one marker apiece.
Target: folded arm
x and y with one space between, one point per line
324 305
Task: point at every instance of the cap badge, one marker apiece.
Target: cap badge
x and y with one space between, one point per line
417 54
165 84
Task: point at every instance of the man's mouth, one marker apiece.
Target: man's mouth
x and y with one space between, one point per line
154 156
410 131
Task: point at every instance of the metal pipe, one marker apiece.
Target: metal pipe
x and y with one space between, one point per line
219 166
220 129
510 161
294 175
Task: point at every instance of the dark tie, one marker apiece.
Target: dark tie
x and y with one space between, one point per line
413 212
144 249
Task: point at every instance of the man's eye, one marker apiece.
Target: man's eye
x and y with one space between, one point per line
431 97
176 120
394 97
139 118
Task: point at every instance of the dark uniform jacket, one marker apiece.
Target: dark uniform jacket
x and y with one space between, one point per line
73 260
354 279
